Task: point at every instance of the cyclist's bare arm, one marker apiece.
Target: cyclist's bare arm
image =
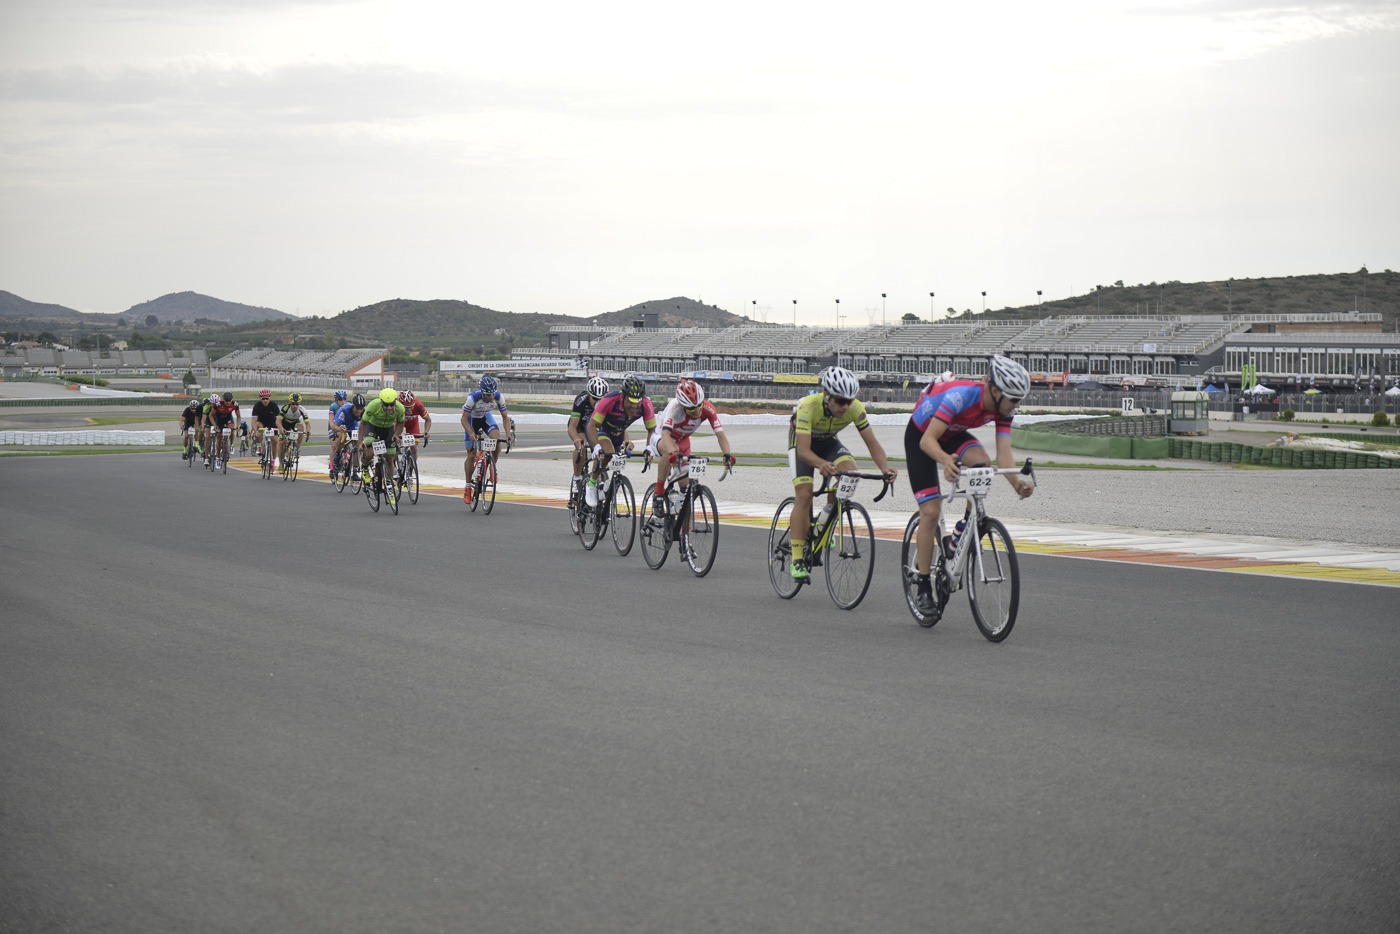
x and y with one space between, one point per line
877 452
1005 459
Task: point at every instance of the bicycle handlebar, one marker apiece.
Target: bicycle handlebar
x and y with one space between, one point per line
886 489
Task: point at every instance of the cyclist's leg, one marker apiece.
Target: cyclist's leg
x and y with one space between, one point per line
667 449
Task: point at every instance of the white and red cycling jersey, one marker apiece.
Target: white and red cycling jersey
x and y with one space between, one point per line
681 424
412 417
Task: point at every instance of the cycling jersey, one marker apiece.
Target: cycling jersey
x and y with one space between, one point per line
381 415
265 413
479 404
412 415
291 417
958 404
223 412
611 418
809 417
681 424
583 410
192 412
346 418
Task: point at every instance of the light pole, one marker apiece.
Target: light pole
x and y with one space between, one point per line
984 302
1229 296
930 308
1038 301
840 337
794 314
882 309
754 303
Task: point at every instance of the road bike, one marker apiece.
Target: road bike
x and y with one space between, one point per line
990 571
616 509
346 464
483 479
242 445
406 471
375 489
218 460
841 541
191 449
267 452
291 458
691 519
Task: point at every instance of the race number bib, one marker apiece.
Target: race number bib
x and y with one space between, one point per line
846 486
697 468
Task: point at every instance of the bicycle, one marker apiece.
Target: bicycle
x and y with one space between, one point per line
990 572
219 459
406 471
267 452
191 447
483 479
691 521
346 465
616 509
841 540
291 459
242 445
375 488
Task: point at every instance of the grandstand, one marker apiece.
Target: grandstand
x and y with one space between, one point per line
45 361
362 366
1145 348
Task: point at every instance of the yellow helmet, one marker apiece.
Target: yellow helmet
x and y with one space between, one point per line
388 396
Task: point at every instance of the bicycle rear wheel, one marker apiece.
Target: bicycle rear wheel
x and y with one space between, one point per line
410 480
850 557
623 515
655 537
780 552
994 581
700 537
488 487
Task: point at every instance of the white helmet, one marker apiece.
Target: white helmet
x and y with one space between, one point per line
597 387
839 382
1010 377
689 393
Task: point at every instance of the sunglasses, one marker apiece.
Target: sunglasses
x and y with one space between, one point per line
837 400
694 409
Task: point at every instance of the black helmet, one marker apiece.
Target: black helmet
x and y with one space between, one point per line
358 402
633 388
228 397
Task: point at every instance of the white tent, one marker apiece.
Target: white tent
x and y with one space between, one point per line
1393 391
1259 389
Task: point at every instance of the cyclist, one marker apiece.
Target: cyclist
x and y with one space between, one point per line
192 416
292 419
206 422
347 423
584 402
813 447
416 420
383 421
222 410
332 435
938 435
476 416
686 411
607 427
241 433
265 413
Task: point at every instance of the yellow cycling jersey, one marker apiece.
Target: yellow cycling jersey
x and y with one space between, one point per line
809 418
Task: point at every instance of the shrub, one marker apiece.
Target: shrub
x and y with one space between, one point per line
1380 420
1287 415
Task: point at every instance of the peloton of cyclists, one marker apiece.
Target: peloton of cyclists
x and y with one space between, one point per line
477 417
684 413
814 448
218 416
577 427
938 435
607 428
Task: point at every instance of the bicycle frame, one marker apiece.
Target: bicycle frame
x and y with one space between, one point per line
974 483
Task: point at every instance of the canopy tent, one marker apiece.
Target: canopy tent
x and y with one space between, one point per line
1259 389
1393 391
1312 392
1213 390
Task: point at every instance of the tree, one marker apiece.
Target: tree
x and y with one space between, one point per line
152 321
910 318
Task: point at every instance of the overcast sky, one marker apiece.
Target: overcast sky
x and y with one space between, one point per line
579 158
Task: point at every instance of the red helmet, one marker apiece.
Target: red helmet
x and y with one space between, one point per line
264 393
689 393
406 396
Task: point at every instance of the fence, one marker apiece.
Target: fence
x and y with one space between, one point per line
85 436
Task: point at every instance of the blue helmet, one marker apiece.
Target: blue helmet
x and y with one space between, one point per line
489 385
340 395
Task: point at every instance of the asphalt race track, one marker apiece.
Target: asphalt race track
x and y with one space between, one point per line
238 705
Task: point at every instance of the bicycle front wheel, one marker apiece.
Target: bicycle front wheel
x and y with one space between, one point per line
391 491
850 557
488 487
780 552
623 515
994 581
909 571
590 521
656 537
700 536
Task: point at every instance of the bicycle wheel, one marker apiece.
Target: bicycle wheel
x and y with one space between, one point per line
850 557
223 461
390 492
700 537
622 512
780 552
371 492
341 478
488 487
266 464
909 571
994 581
476 484
590 522
410 480
655 537
575 503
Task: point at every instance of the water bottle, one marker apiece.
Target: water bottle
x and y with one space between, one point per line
825 514
677 497
958 530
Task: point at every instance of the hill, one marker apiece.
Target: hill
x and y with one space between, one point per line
12 306
676 312
191 307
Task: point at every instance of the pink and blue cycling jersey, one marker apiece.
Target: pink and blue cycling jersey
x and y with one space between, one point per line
958 404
